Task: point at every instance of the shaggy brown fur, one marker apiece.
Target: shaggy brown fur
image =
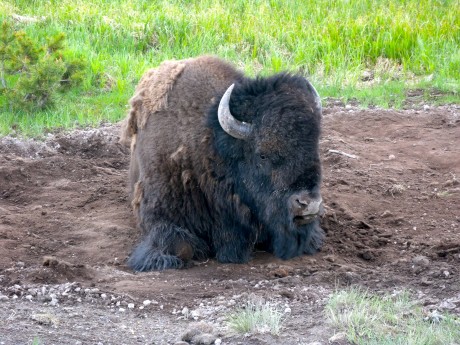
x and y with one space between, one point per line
152 108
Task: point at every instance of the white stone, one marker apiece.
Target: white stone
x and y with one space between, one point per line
54 302
195 314
147 302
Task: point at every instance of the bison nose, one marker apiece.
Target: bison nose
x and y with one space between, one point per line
301 204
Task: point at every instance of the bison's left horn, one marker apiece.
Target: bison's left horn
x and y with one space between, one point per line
237 129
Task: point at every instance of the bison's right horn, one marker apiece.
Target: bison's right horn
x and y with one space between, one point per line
237 129
316 96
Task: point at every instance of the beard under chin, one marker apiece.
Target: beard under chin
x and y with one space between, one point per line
300 221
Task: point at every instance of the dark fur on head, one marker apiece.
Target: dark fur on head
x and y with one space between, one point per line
205 193
280 158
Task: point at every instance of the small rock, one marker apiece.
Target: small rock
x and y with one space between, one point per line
44 319
350 277
103 296
367 75
147 302
282 271
425 281
366 255
3 298
185 311
54 302
434 317
29 297
426 107
421 261
287 294
195 314
130 305
195 329
391 157
450 183
232 301
218 341
181 343
287 310
338 337
290 280
386 214
121 310
204 339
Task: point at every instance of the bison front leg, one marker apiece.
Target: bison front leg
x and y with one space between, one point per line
164 246
234 244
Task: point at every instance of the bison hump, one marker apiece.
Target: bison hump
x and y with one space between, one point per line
151 96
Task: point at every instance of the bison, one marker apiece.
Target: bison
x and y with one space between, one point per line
222 163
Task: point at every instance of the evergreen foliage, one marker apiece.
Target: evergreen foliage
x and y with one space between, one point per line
32 74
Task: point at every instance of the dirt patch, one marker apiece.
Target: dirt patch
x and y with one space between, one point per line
66 228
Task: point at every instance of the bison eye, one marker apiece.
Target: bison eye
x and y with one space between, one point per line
263 157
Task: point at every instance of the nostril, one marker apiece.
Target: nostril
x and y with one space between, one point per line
301 202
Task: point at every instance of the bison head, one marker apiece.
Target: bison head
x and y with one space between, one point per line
267 136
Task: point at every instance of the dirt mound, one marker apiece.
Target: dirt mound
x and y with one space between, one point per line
391 189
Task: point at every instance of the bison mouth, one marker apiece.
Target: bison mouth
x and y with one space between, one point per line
303 220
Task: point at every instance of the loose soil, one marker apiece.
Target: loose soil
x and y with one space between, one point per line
66 229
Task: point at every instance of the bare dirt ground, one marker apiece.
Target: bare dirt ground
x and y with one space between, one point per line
66 228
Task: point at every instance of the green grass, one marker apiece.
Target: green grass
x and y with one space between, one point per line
369 319
406 44
36 341
257 316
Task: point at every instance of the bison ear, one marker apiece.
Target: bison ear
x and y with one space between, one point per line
316 97
235 128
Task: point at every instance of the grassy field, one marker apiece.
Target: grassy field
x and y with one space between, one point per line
369 319
363 49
